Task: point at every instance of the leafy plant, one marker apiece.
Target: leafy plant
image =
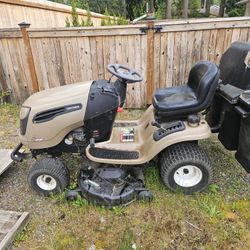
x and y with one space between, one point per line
74 15
3 95
127 241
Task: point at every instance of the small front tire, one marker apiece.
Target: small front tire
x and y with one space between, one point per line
48 176
186 167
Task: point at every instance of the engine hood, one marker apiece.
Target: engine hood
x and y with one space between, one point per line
52 114
59 96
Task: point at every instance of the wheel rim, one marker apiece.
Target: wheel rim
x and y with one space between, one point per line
46 182
187 176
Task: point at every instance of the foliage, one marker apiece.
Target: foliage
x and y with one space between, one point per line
4 94
88 21
194 7
234 10
107 20
67 22
75 18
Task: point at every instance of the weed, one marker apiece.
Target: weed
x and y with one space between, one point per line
127 241
213 188
22 236
119 210
211 210
79 202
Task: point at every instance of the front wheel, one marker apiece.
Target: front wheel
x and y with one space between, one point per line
48 176
185 166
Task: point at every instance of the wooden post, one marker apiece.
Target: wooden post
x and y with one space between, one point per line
28 51
150 61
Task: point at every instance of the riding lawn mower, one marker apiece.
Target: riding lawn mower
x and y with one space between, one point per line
80 118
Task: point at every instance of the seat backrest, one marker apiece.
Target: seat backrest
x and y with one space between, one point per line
203 80
233 67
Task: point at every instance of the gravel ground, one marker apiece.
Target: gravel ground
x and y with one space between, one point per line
15 194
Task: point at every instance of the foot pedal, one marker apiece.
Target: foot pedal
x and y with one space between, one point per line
113 154
168 129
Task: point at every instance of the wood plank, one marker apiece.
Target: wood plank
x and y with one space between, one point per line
183 56
163 60
170 60
11 73
76 31
150 62
144 70
176 61
10 225
5 160
130 98
205 44
137 85
212 45
52 7
235 35
99 56
219 46
39 60
189 55
157 58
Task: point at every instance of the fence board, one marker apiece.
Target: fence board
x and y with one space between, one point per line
63 56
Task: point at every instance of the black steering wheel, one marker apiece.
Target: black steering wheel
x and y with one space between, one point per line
124 73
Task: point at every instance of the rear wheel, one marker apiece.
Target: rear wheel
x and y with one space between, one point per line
48 176
185 166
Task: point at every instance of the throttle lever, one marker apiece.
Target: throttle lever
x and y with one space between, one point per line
158 125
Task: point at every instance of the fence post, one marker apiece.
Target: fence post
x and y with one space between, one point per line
150 60
28 51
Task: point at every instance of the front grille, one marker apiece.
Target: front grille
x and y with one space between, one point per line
52 113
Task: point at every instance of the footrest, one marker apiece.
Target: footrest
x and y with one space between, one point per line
113 154
168 129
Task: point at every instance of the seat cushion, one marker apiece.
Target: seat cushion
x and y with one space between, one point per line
174 98
191 98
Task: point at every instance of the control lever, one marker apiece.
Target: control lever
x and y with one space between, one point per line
92 142
158 125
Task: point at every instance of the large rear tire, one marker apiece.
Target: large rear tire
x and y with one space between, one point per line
48 176
185 166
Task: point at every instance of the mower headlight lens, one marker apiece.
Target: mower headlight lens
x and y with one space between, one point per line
24 116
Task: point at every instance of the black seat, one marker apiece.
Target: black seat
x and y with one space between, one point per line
196 95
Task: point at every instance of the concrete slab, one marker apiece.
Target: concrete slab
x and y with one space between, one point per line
10 224
5 159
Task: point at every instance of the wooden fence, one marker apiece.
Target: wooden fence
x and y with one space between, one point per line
163 52
40 13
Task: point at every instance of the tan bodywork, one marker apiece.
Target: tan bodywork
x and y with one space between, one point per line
51 133
144 143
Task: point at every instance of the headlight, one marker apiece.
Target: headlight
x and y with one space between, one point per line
24 116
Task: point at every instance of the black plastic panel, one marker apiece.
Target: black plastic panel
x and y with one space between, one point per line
113 154
168 129
101 110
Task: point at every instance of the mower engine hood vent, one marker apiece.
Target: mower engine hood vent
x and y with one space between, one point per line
52 113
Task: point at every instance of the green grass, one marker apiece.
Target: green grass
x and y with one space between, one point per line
218 218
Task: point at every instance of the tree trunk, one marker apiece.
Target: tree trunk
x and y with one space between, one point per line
168 9
150 7
124 8
207 6
247 11
185 9
222 8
